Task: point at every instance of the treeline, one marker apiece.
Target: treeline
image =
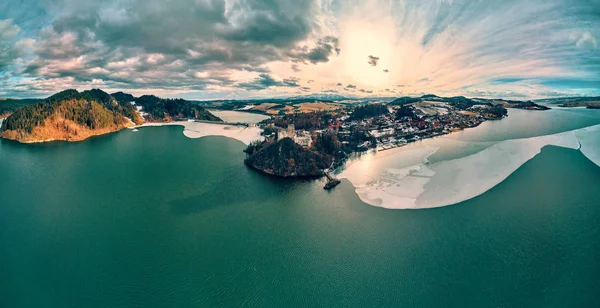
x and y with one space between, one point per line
288 159
9 105
498 111
405 101
160 109
94 109
406 111
369 111
307 121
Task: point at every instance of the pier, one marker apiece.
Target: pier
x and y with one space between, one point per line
331 181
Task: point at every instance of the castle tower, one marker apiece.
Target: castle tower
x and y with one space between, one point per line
291 131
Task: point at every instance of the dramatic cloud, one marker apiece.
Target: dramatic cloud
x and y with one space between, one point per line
11 49
326 47
373 60
158 44
216 48
264 81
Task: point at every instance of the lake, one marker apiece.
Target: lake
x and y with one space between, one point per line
155 219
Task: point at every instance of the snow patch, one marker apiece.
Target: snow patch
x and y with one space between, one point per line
199 130
589 138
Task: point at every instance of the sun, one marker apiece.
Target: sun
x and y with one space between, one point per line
364 37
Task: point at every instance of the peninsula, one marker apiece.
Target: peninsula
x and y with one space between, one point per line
303 137
74 116
587 102
306 144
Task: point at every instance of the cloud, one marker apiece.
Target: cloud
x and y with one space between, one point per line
8 30
587 40
373 60
265 81
136 43
11 48
350 87
291 82
210 47
326 47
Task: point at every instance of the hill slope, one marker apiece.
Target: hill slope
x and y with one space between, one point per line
70 116
74 116
9 105
165 110
288 159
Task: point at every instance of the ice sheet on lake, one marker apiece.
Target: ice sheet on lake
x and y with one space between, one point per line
199 130
425 185
589 138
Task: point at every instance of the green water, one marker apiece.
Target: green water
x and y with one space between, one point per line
154 219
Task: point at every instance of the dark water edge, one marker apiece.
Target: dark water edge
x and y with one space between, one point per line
154 219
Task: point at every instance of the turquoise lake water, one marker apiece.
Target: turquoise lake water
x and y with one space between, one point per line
154 219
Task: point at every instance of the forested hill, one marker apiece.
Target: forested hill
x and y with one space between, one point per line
73 116
123 97
69 115
164 110
462 102
9 105
288 159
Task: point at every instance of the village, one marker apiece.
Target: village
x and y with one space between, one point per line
316 143
383 127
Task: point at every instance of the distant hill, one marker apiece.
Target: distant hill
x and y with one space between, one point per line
405 100
318 97
9 105
589 102
123 97
166 110
74 116
462 102
232 104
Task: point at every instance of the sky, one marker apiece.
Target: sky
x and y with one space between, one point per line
231 49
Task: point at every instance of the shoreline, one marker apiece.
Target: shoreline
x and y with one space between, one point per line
502 159
35 141
424 185
195 130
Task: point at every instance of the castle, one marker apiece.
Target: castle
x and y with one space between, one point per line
302 138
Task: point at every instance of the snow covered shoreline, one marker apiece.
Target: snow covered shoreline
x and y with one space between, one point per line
422 185
198 130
